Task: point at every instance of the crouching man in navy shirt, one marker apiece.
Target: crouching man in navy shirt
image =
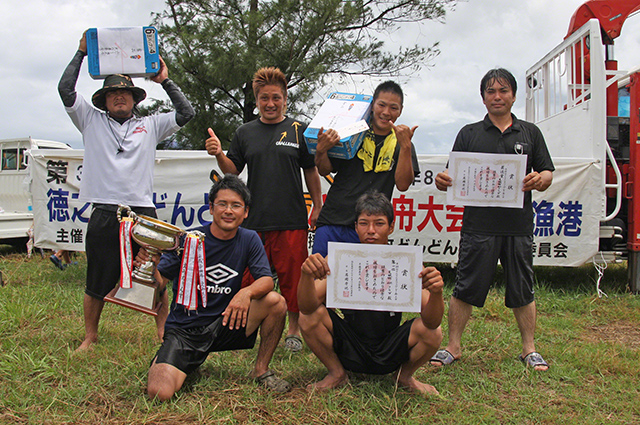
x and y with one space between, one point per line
233 316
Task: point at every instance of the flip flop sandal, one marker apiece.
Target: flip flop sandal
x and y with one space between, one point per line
532 360
272 382
57 262
293 343
443 357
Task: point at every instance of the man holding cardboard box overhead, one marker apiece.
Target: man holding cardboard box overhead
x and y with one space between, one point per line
118 168
386 159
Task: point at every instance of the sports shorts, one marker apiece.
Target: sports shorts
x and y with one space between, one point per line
328 233
187 349
286 251
359 356
102 246
477 263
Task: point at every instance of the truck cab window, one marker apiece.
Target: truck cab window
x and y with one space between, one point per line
9 159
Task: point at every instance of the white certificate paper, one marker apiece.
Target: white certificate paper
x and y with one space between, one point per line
344 116
121 50
486 180
374 277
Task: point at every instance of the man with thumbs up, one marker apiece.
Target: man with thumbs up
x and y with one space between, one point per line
274 150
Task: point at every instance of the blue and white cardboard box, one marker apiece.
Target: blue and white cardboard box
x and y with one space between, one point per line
349 115
127 50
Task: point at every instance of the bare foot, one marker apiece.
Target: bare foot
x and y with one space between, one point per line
413 385
87 344
329 382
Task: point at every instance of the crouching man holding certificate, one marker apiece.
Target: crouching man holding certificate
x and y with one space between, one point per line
369 341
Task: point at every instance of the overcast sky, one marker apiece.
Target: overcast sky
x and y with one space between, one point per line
39 38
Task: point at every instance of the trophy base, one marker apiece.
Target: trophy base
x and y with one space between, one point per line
141 297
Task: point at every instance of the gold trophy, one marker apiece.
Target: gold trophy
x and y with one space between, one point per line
155 236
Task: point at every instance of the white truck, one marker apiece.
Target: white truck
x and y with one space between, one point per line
16 212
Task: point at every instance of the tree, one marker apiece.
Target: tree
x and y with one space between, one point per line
217 45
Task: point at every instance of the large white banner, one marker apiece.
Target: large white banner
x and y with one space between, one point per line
566 215
181 194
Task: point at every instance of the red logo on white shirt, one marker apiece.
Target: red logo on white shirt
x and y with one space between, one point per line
140 129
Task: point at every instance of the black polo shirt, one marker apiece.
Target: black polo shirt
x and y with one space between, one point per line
522 138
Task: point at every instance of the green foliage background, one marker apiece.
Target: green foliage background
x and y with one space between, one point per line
213 48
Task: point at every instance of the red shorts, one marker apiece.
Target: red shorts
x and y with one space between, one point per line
286 250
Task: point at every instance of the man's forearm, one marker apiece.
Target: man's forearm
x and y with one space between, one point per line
308 301
67 84
323 163
184 110
547 179
162 281
312 179
404 171
226 165
433 311
260 287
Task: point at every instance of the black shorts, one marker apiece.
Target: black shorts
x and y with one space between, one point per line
102 246
477 263
187 349
359 356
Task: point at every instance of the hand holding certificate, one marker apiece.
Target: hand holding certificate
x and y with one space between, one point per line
374 277
486 180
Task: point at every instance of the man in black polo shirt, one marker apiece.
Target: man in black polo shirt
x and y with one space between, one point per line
492 233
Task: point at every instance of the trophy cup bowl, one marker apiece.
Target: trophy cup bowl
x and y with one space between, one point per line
155 236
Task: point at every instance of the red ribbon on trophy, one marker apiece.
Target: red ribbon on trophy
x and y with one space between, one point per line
192 272
126 252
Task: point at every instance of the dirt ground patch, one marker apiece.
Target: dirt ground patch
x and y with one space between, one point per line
625 333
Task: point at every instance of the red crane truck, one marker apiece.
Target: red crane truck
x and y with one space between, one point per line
589 109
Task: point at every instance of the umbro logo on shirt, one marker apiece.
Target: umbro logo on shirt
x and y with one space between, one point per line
220 273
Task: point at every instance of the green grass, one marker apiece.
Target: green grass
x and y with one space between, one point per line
591 343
